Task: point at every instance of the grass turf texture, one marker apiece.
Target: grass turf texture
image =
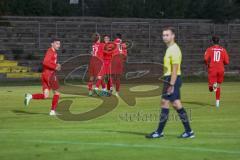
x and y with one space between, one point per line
30 133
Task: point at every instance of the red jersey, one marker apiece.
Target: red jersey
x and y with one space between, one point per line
118 49
109 49
50 61
121 47
216 57
97 50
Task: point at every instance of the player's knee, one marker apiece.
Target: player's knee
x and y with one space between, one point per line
177 104
56 93
174 104
164 103
46 94
91 78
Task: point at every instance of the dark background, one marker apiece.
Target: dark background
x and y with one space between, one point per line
217 10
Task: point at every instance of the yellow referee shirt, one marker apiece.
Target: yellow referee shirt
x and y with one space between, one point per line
172 56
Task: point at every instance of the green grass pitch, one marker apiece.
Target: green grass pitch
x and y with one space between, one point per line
30 133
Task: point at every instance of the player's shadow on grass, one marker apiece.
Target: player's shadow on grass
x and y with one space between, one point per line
127 132
173 135
20 112
199 104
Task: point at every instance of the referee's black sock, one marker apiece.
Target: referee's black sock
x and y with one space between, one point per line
163 119
184 118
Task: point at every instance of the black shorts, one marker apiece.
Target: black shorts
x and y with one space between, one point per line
176 94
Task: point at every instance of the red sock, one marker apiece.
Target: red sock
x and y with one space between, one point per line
210 88
99 81
38 96
55 101
218 94
90 85
109 84
117 85
103 84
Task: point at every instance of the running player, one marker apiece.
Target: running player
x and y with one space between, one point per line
215 58
49 78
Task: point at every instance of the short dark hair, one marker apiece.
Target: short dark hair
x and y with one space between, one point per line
169 28
96 37
119 35
105 35
54 40
215 39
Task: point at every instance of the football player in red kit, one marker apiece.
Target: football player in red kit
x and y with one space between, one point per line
108 51
215 58
117 65
96 65
48 77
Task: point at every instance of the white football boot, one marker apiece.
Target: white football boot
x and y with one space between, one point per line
53 113
27 99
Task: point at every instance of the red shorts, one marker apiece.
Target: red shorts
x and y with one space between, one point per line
49 81
215 76
117 65
107 67
95 67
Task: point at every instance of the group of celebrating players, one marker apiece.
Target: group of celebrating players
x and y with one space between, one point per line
107 65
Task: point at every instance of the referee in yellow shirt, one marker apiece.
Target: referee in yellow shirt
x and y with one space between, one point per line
172 85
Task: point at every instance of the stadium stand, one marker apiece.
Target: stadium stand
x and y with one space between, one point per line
25 39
